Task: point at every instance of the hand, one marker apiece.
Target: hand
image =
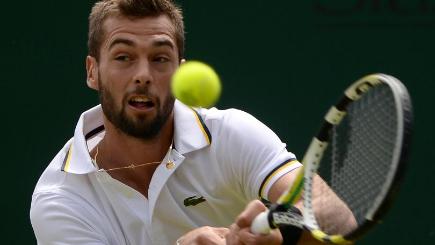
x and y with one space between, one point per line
240 232
204 235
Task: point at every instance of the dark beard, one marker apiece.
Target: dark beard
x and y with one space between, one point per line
139 127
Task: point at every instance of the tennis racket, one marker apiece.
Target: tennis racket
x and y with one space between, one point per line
353 166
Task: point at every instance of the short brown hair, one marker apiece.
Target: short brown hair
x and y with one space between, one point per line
132 9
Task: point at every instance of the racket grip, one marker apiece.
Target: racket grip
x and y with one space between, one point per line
260 225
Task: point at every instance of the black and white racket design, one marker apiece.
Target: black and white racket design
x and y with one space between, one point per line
353 166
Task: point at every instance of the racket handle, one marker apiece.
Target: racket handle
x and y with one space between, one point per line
260 225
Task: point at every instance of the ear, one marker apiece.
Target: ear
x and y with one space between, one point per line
92 72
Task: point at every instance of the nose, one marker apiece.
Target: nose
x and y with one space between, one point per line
143 75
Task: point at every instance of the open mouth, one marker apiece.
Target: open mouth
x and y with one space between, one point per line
141 102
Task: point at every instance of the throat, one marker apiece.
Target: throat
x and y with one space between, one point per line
131 161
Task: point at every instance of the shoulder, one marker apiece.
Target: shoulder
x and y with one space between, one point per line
61 205
220 114
53 174
229 118
51 203
56 186
235 123
57 217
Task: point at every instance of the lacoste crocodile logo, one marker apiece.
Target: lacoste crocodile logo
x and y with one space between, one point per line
193 201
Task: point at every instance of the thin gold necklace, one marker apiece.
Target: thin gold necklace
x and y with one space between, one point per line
132 166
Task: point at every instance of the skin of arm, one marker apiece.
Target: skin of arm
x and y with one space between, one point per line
327 206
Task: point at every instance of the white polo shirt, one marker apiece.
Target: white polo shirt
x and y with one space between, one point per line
222 159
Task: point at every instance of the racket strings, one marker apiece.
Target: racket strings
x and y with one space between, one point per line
359 156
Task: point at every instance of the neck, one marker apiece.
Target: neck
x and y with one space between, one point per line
118 149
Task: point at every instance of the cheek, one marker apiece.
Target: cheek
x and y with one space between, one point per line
165 81
165 87
116 76
111 82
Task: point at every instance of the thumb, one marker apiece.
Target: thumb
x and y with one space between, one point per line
251 211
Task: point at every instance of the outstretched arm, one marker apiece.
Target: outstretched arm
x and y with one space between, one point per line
327 206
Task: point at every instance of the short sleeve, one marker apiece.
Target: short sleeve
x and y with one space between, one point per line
254 152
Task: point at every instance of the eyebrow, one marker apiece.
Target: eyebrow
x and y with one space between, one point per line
163 42
156 43
121 41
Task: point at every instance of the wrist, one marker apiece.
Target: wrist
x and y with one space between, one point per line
291 234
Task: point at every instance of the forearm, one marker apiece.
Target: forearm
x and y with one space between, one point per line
330 211
332 214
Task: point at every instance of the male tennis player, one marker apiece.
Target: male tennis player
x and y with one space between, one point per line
143 168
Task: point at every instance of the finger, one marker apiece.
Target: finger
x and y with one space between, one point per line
202 240
246 237
204 236
222 231
232 238
251 211
210 236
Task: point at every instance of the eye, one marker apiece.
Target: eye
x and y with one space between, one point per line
122 58
161 59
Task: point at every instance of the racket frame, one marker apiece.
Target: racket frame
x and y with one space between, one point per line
319 144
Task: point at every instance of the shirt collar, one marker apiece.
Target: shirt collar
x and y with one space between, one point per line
190 131
190 134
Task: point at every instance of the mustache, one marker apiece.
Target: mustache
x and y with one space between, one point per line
142 91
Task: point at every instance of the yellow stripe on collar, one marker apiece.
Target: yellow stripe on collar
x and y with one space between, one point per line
202 126
68 159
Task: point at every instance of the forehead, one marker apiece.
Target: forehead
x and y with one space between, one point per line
139 30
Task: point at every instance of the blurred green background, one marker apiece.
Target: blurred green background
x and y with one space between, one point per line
283 61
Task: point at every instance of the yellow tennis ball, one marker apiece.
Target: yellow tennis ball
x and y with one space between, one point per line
196 84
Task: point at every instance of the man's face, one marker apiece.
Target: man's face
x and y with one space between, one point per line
137 60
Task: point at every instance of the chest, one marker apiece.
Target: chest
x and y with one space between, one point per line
137 178
194 193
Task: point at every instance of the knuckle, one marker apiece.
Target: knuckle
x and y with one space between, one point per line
208 229
242 220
